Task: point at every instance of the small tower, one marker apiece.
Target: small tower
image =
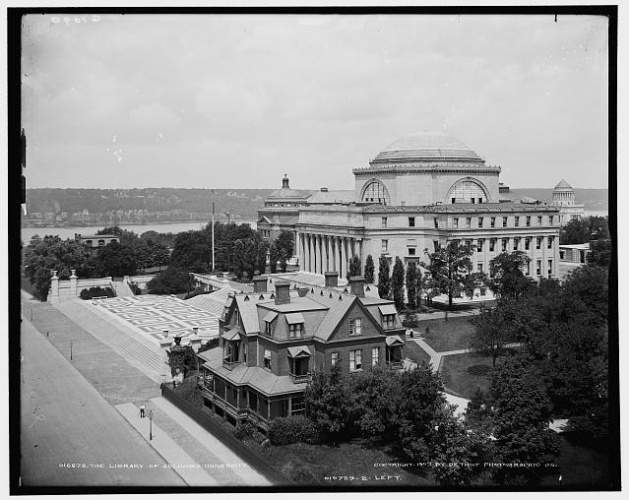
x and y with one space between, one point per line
285 184
563 194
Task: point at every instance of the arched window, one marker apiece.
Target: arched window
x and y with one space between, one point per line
466 191
375 192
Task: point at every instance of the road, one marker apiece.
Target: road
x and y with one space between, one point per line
70 435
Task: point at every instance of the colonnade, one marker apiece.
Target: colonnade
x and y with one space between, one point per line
319 253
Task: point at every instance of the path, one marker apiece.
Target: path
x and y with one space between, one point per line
70 436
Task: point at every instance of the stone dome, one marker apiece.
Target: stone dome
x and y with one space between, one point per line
428 146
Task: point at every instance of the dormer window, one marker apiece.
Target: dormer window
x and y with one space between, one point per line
267 359
268 323
299 363
388 313
295 325
231 349
355 327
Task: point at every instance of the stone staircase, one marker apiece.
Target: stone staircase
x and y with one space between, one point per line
140 353
122 288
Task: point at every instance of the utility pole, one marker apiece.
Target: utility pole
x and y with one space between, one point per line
212 230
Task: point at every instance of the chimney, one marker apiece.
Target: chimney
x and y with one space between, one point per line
357 285
282 292
259 284
285 182
331 279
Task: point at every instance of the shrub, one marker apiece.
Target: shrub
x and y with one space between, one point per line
96 291
135 288
410 321
293 429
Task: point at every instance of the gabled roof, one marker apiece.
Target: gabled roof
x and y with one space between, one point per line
562 184
299 350
387 309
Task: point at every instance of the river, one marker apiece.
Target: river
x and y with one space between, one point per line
69 232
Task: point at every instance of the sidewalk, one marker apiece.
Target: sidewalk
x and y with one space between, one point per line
191 472
244 473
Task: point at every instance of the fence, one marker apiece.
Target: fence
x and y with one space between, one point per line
204 420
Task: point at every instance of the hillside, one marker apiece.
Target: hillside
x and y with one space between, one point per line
594 200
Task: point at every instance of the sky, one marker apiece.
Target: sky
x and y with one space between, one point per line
236 101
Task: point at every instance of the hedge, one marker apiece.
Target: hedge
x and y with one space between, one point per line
293 429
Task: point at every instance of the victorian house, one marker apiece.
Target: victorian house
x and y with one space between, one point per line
272 341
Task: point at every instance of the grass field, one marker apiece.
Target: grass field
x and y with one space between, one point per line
459 379
414 352
449 335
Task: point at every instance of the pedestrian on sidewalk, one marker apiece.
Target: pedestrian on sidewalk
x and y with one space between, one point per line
142 411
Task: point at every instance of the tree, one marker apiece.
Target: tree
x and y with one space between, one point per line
492 332
128 238
384 278
600 253
354 267
508 279
397 283
450 267
170 281
413 281
375 401
584 230
42 256
282 249
521 413
369 269
115 259
327 402
192 251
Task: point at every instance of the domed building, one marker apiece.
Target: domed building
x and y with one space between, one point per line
418 193
564 198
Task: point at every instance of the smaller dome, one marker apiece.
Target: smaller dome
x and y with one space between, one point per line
563 185
431 146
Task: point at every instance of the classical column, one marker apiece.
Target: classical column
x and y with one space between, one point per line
310 253
360 256
330 258
317 248
343 255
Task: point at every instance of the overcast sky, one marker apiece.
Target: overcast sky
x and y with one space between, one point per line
236 101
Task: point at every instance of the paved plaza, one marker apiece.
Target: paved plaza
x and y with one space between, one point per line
157 317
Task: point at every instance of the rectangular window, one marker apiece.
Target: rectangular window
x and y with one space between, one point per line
355 327
453 201
298 406
468 222
550 242
334 358
492 244
435 244
388 321
267 328
480 200
538 243
504 221
479 267
550 267
505 243
267 359
539 220
528 221
538 267
355 360
385 246
375 356
473 201
479 245
384 221
550 219
516 243
411 222
527 243
528 268
456 222
480 222
436 221
411 251
492 222
468 244
517 221
295 330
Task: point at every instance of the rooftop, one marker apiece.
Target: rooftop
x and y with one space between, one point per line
427 146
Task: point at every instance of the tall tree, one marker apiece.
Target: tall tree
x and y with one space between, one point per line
450 267
282 249
413 281
508 280
493 331
354 267
600 253
397 283
369 269
384 278
584 230
115 260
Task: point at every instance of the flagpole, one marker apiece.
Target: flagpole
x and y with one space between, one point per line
212 230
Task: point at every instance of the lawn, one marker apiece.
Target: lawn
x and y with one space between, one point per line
414 352
337 465
450 335
463 374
